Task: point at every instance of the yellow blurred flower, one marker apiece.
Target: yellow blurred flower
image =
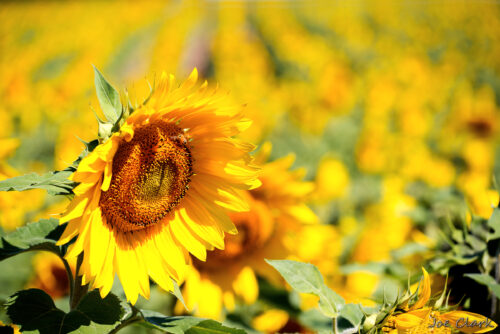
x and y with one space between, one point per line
332 180
359 287
270 321
387 224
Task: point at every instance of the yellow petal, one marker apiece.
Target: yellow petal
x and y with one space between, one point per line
245 285
201 225
171 253
407 321
104 280
107 176
126 268
70 232
424 293
191 80
468 322
99 242
75 209
186 238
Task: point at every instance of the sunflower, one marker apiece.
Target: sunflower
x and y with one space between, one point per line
422 318
159 188
277 212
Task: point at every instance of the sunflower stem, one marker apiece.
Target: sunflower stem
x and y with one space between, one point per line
79 290
71 279
134 317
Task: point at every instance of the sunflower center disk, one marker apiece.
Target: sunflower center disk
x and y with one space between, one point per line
150 176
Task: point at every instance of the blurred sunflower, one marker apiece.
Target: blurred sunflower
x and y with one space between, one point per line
50 275
277 212
158 189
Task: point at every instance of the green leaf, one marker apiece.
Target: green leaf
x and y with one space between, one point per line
349 319
108 97
35 311
56 183
186 325
175 325
315 320
213 327
306 278
41 235
488 281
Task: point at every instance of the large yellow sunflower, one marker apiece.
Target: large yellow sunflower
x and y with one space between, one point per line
159 189
277 215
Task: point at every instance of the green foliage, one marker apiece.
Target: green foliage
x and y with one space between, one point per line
41 235
56 183
306 278
35 311
465 245
349 319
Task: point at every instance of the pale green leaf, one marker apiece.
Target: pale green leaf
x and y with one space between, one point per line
56 183
186 325
306 278
41 235
349 319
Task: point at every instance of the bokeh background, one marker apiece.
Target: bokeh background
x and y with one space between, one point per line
391 109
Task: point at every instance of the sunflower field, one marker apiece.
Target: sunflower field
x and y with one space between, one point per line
209 167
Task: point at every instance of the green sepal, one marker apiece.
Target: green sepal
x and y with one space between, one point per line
109 98
178 294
